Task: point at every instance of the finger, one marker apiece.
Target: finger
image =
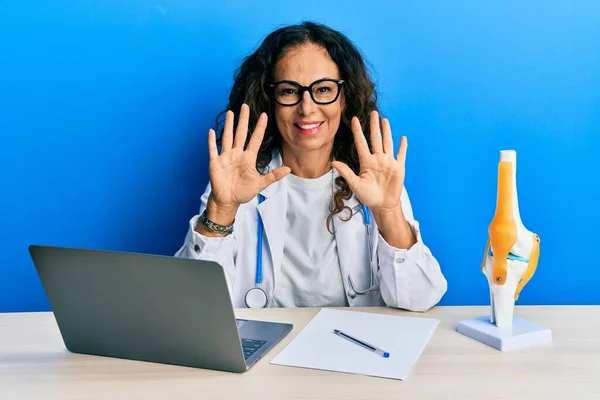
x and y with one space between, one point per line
274 176
213 153
375 133
388 140
360 141
401 157
227 132
346 173
258 134
242 128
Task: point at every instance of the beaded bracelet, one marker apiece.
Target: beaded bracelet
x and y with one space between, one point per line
214 227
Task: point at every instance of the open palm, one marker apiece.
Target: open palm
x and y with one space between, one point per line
233 175
381 178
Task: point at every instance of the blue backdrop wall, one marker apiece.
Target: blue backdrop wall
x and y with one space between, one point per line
105 105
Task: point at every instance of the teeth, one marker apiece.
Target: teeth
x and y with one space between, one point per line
313 126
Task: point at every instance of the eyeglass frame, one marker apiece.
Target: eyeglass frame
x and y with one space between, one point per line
309 89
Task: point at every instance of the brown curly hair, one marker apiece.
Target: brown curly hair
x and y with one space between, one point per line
251 86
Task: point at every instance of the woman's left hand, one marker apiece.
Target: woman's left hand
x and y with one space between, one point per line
381 179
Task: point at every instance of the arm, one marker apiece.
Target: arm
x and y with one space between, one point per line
202 245
409 275
395 229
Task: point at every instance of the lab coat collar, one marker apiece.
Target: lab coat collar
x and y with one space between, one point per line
276 187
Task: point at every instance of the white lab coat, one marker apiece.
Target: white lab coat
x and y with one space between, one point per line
407 278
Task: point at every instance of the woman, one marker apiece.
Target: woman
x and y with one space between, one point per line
306 204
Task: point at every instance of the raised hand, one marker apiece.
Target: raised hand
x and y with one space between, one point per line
381 179
233 175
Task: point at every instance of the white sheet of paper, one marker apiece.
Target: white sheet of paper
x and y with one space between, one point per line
317 347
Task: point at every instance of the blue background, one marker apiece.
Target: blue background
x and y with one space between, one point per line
105 105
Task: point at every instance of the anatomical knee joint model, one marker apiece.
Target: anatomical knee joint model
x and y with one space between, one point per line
512 251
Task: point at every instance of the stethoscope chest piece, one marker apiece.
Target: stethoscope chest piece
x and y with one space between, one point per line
256 298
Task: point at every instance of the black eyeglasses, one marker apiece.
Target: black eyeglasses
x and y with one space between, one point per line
323 91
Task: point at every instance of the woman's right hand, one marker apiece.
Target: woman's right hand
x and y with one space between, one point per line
233 175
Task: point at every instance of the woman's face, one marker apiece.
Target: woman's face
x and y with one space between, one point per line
307 125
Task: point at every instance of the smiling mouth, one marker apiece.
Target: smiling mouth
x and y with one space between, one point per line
307 129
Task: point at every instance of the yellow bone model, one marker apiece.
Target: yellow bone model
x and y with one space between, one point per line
512 251
503 230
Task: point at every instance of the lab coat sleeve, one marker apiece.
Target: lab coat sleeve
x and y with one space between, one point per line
410 278
222 250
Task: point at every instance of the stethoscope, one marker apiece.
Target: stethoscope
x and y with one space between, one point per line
256 297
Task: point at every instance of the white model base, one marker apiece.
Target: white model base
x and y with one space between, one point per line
522 333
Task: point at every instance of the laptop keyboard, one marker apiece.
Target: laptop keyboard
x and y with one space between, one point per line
250 346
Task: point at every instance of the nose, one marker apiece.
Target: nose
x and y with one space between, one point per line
307 106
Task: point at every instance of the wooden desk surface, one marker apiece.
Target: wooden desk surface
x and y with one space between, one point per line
35 364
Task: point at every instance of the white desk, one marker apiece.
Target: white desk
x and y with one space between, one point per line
34 364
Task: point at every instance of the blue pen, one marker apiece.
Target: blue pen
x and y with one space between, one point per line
364 344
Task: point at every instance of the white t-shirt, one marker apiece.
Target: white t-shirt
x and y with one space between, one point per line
310 271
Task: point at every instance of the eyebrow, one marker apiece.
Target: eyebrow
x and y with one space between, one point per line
291 80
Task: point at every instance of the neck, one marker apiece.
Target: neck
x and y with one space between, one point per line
307 164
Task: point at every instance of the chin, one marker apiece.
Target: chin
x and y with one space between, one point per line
310 143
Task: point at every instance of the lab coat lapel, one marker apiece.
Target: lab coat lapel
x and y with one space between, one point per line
351 245
272 212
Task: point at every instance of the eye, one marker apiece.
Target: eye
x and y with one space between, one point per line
288 92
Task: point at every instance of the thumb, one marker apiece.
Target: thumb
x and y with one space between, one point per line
274 176
346 173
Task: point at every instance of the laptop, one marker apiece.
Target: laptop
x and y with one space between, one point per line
151 308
